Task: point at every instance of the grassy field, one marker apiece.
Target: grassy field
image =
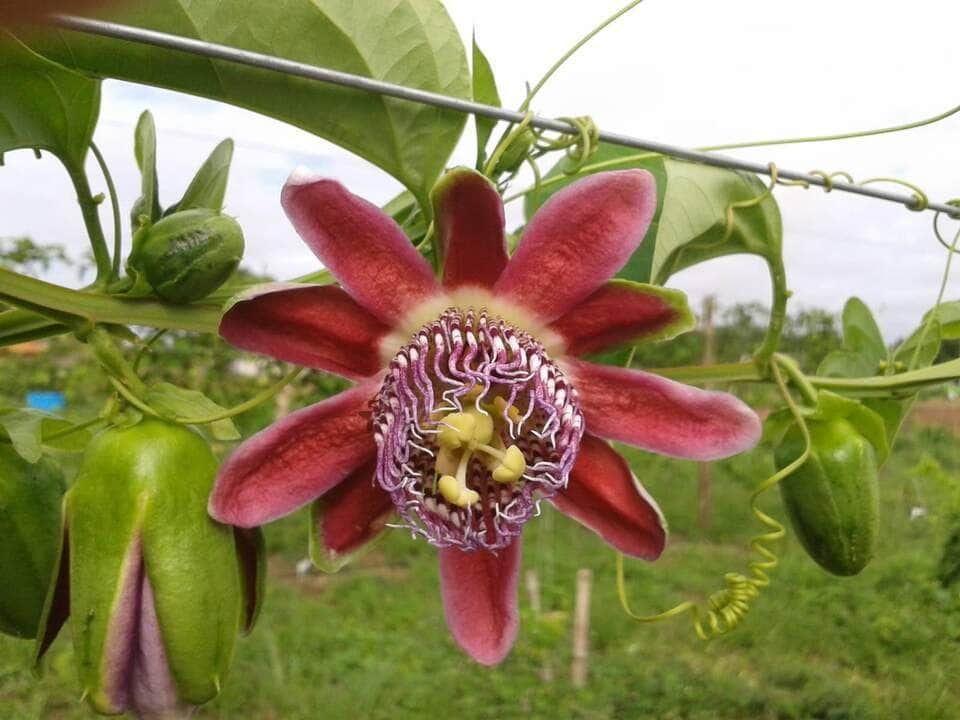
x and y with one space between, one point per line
371 642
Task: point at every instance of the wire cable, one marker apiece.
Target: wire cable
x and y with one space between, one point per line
358 82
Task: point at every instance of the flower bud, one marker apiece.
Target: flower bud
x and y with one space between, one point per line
189 254
516 153
30 497
157 590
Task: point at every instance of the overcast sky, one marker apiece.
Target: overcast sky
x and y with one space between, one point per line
689 72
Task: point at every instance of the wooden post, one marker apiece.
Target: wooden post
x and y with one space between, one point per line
284 398
581 629
532 583
705 470
533 591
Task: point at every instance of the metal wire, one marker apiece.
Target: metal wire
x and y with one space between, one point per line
358 82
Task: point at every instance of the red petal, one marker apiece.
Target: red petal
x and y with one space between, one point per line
360 244
622 311
313 325
578 240
661 415
480 599
295 460
603 495
348 517
468 214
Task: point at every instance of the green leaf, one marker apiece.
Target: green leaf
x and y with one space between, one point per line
776 426
846 364
484 91
870 424
409 42
406 212
209 185
690 225
178 404
24 429
145 151
34 433
44 105
892 411
693 224
861 334
920 349
948 315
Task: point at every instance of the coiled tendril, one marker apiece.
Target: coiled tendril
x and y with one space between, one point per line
729 605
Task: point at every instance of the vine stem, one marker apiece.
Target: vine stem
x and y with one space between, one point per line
630 159
91 219
802 382
77 307
115 206
778 310
253 402
65 432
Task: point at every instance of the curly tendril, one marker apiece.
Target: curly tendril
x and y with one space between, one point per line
728 606
583 146
936 225
746 204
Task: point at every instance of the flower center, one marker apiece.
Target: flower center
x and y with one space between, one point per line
474 425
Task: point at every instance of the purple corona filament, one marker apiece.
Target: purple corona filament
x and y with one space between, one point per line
462 370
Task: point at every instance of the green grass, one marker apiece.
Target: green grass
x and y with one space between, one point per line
371 642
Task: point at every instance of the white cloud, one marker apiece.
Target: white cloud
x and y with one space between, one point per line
686 72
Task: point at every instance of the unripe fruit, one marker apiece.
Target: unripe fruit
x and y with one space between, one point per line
833 498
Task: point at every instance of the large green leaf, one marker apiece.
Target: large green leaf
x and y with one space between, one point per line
690 225
410 42
44 105
693 224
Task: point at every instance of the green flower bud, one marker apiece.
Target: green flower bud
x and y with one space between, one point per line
156 589
516 153
189 254
30 497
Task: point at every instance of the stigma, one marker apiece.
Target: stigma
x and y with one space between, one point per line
474 426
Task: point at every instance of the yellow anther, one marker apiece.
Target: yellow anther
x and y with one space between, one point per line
484 428
457 429
462 428
456 493
512 412
512 466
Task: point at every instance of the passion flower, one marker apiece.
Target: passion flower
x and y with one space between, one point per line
470 406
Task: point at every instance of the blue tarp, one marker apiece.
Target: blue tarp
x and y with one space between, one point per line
46 400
